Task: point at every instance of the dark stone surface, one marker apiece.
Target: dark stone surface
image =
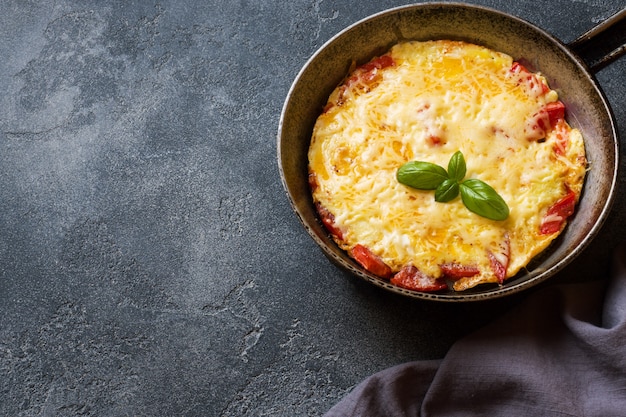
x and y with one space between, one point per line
149 261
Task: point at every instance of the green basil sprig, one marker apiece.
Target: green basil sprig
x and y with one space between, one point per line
478 196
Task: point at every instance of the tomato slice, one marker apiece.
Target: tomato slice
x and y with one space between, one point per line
533 82
558 213
313 181
367 73
381 62
519 68
455 271
545 120
555 111
412 278
498 268
327 107
499 260
562 137
364 77
328 220
371 262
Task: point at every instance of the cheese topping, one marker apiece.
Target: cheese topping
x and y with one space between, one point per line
425 101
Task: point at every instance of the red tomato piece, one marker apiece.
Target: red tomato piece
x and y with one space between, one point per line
412 278
555 111
497 267
499 261
536 126
328 220
434 140
367 73
364 77
378 63
455 271
341 97
313 181
558 213
531 80
519 68
562 137
544 120
370 262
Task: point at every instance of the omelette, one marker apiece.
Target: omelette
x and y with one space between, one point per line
427 103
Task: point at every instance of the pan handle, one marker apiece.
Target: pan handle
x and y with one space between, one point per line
604 43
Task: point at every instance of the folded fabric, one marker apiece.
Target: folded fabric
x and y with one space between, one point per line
562 352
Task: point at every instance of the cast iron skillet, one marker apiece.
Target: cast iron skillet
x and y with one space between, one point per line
568 68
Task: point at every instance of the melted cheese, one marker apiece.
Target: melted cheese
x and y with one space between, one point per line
440 97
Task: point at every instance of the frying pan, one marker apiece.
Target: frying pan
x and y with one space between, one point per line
569 70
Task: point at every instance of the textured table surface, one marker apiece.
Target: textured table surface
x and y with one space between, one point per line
149 260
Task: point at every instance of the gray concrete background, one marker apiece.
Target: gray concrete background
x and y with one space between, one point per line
149 261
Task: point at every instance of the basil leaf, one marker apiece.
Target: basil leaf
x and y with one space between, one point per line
421 175
447 191
477 196
457 167
483 200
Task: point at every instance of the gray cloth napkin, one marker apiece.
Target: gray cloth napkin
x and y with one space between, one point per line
562 352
